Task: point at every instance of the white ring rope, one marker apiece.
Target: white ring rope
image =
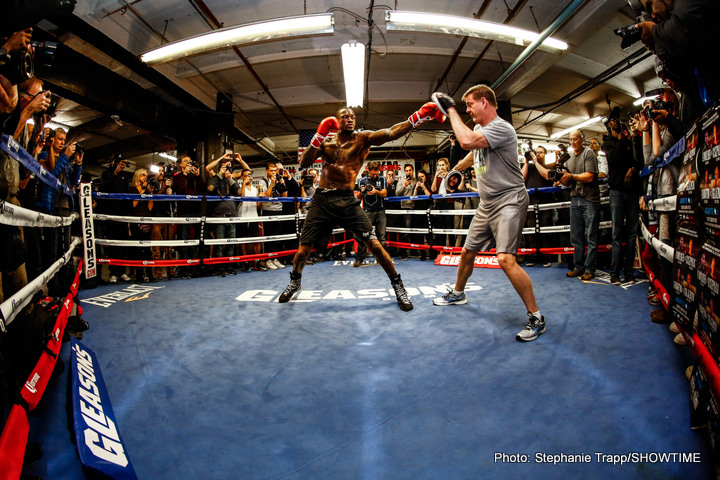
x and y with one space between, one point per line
666 251
13 305
23 217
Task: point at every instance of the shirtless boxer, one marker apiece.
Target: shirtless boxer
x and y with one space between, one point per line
334 202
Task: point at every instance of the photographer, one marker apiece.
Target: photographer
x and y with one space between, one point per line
535 174
658 139
248 209
141 231
224 185
406 188
625 189
288 208
273 185
187 181
439 186
64 163
17 42
373 189
159 185
581 176
684 35
115 179
422 187
61 160
308 186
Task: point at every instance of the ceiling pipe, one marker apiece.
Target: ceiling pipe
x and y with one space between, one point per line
511 16
485 5
214 23
567 13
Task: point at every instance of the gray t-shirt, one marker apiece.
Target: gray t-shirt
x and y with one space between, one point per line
497 167
585 161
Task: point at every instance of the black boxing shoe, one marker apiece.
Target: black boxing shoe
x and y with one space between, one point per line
293 287
443 101
402 297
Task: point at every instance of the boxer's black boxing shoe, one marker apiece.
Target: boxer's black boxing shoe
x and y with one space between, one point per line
402 297
290 290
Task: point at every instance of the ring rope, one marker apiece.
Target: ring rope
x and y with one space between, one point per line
13 305
22 217
10 146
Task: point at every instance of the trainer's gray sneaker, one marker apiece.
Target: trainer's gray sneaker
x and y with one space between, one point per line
451 299
534 328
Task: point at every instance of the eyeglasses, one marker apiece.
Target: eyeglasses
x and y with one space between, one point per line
33 96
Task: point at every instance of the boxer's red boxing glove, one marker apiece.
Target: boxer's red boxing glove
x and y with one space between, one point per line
429 111
326 127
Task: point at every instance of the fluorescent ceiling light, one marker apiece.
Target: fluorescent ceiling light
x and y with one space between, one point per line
280 28
579 126
353 58
167 156
468 27
642 100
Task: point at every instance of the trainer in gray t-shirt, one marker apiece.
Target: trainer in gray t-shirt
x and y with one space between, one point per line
497 167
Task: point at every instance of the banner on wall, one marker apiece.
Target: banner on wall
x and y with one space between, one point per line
481 261
88 231
396 166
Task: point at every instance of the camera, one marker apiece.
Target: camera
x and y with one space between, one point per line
654 105
153 185
20 65
44 52
308 180
369 187
79 149
630 34
52 108
17 67
556 174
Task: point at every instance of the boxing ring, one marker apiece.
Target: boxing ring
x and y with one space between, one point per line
212 378
205 224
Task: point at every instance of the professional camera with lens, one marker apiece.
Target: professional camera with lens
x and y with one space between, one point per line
44 52
654 105
17 67
369 187
79 149
20 65
630 34
557 173
153 185
308 181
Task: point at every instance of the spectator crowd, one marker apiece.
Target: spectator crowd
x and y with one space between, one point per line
593 172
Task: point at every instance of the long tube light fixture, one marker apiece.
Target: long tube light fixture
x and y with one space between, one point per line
469 27
579 126
353 59
280 28
642 100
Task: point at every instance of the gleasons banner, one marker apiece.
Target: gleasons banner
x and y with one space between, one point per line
86 216
481 261
101 450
